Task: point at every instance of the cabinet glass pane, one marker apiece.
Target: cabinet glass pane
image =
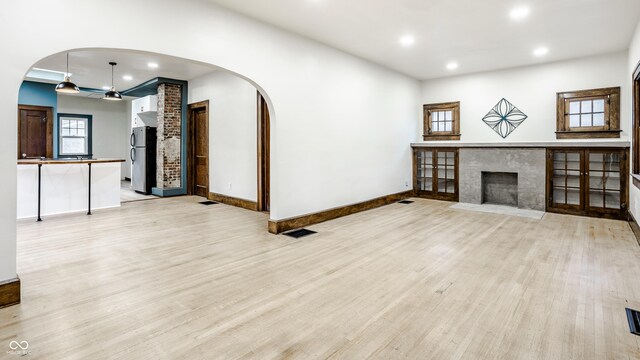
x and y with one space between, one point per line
573 196
425 170
596 198
612 200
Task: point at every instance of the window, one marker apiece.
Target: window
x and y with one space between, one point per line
589 114
442 121
74 135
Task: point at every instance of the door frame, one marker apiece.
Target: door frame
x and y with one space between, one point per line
50 120
191 143
264 154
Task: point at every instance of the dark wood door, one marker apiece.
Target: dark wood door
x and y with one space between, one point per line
436 173
606 179
35 132
199 150
566 179
264 155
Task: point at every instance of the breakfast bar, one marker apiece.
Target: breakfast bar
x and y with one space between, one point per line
59 186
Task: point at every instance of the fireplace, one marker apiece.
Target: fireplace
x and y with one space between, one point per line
500 188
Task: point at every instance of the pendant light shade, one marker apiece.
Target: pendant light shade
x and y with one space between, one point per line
112 94
67 87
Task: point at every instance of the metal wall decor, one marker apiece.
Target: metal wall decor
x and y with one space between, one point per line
504 118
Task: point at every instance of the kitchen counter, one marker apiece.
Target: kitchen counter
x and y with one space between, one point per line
67 161
60 186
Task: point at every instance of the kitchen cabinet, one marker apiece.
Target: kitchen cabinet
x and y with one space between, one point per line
147 104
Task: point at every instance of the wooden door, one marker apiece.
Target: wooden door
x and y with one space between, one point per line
606 180
446 174
264 155
566 180
35 132
424 168
199 149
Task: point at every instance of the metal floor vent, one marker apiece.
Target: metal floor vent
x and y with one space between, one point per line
209 202
634 321
405 202
299 233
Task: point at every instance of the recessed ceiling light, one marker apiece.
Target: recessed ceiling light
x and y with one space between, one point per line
407 40
152 65
541 51
452 66
519 13
127 77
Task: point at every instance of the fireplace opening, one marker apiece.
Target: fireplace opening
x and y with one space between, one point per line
500 188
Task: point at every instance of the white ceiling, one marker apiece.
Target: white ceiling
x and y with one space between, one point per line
90 68
477 34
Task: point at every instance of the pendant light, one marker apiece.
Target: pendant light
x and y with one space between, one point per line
112 94
67 87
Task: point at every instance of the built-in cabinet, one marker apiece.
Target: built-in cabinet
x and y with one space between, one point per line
591 182
436 173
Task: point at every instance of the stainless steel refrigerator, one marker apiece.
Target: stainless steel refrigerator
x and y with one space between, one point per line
143 159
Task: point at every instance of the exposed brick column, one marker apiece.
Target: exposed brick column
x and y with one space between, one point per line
168 173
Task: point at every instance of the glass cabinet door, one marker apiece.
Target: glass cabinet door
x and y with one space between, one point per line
566 190
604 180
424 170
446 171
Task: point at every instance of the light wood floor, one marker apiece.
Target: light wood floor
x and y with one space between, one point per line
173 279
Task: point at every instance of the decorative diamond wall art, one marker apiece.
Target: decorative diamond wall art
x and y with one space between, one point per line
504 118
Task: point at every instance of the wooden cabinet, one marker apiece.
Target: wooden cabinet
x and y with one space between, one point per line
591 182
435 173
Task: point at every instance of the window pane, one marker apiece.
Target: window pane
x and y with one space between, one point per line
574 120
448 126
598 106
574 107
585 120
80 132
73 132
434 117
73 124
81 124
598 119
65 124
448 115
586 106
73 146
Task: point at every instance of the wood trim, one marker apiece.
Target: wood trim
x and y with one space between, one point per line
636 122
454 134
611 129
50 121
10 292
264 154
233 201
280 226
605 134
191 171
635 228
432 137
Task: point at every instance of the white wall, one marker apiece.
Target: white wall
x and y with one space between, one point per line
634 59
110 124
233 138
341 126
533 90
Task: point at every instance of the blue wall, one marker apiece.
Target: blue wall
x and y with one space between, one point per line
40 94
